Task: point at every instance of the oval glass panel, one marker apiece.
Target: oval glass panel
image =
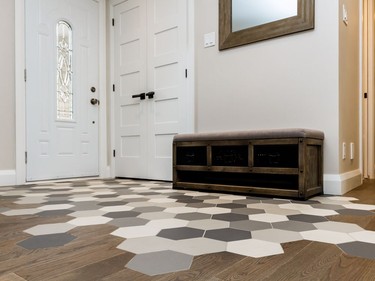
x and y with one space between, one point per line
64 79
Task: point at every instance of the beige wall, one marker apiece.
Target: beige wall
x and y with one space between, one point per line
291 81
7 66
349 97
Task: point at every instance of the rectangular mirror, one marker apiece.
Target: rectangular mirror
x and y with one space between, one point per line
246 21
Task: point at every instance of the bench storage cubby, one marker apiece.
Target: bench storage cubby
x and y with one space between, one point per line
284 163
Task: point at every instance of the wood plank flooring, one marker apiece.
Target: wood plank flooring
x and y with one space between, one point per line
94 256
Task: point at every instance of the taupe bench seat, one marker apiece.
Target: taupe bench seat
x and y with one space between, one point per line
280 162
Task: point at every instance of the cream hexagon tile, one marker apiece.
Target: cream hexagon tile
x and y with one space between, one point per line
89 221
295 206
254 248
180 210
326 236
116 209
364 207
136 231
167 223
148 244
276 235
209 224
364 236
268 218
319 212
199 246
338 226
21 212
55 207
214 210
53 228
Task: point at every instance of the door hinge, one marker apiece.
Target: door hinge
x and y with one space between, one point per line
113 88
186 73
25 74
114 153
365 95
25 157
113 22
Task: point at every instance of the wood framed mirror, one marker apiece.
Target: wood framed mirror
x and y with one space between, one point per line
243 22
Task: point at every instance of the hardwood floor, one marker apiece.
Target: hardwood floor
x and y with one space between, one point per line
93 255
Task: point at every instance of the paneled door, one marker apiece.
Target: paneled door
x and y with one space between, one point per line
151 85
61 88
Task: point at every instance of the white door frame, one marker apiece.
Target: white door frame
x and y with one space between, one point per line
190 83
20 98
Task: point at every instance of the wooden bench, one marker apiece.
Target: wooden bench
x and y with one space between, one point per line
284 163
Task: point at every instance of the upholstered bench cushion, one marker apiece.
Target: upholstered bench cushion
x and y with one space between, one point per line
252 135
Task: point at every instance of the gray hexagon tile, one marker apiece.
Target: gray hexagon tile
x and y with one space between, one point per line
181 233
297 226
163 262
227 234
359 249
46 241
44 229
276 235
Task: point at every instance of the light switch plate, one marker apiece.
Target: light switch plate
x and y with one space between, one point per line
209 39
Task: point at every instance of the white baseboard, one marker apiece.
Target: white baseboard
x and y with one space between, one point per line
7 177
342 183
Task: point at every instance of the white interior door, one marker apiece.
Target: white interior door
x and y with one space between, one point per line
62 78
150 60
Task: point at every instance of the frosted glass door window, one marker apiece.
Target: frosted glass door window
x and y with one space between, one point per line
64 71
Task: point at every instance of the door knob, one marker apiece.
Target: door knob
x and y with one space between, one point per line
141 96
93 89
150 95
94 101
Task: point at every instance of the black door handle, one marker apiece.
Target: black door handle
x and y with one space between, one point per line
150 95
94 101
141 96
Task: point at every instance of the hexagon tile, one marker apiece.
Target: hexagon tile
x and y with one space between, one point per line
167 228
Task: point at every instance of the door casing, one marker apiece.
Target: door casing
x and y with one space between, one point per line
20 99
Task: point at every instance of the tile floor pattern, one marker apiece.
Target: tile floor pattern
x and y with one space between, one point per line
167 228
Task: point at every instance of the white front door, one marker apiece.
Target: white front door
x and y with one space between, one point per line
62 79
151 87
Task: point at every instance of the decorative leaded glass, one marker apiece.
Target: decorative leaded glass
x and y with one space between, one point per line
64 71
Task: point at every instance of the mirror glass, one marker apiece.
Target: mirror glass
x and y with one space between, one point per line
251 13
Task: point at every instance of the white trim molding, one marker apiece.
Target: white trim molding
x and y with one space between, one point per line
7 177
342 183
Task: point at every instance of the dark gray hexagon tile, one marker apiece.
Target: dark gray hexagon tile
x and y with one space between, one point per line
246 201
181 233
124 214
353 212
294 226
307 202
248 211
193 216
55 213
105 196
46 241
327 206
151 209
276 201
359 249
231 205
206 197
227 234
160 262
127 222
200 205
307 218
230 217
112 203
248 225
